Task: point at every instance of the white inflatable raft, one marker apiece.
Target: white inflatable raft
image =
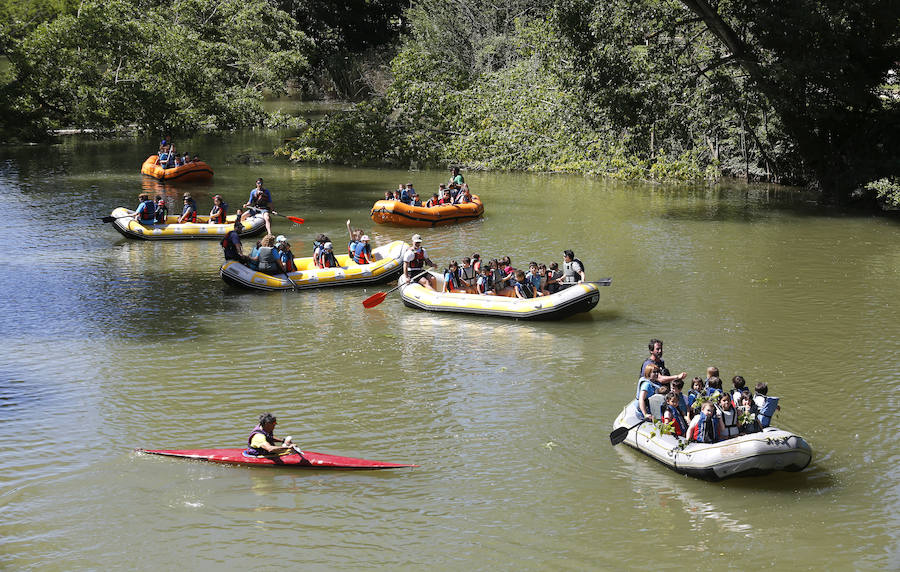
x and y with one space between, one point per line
573 300
746 455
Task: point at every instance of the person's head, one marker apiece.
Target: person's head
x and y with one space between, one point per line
143 197
217 199
656 347
364 238
746 399
267 421
320 238
446 193
532 266
494 264
506 261
485 271
388 195
762 388
454 171
268 240
328 247
476 257
554 266
259 182
724 402
708 408
697 383
672 398
416 241
280 239
568 255
400 187
466 261
520 276
542 269
434 196
454 266
158 198
441 188
409 186
712 371
738 382
677 385
188 199
285 245
196 158
714 383
651 370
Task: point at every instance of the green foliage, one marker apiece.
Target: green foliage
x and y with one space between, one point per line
179 66
887 191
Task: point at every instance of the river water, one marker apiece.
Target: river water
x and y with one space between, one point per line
111 344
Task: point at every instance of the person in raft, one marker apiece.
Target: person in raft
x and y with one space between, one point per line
219 211
706 427
414 262
231 244
573 270
262 440
260 201
189 210
146 210
656 351
362 254
162 211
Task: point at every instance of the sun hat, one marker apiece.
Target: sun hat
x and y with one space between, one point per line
417 238
280 238
327 246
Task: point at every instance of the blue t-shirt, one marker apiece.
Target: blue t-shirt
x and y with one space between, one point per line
535 280
645 385
253 194
254 258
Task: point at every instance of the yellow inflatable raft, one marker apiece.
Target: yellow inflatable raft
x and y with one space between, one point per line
387 265
402 214
171 230
578 298
197 171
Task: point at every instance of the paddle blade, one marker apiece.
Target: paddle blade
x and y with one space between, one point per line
108 219
295 219
618 435
374 299
602 282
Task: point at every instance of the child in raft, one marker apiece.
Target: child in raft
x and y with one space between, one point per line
677 386
672 414
747 414
706 427
738 386
451 278
767 406
728 415
696 391
484 285
711 372
713 386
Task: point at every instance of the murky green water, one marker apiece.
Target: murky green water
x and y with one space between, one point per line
111 344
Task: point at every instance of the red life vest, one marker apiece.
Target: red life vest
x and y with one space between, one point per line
328 260
219 218
418 260
362 254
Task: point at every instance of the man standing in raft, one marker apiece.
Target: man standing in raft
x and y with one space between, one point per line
262 440
656 351
414 261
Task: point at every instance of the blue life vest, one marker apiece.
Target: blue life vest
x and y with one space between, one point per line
148 213
270 439
707 429
253 263
351 248
361 248
678 419
766 410
451 280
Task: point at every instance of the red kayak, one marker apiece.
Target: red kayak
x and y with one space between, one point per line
309 459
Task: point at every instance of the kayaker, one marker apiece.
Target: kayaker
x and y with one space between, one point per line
146 210
231 244
219 211
573 270
260 202
189 210
414 262
262 440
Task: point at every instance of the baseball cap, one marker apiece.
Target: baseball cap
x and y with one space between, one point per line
280 238
327 246
365 237
417 238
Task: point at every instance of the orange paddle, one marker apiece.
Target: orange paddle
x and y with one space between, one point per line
378 297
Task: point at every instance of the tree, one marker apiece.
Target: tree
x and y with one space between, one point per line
820 65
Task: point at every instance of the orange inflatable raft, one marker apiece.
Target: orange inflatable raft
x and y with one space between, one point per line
197 171
402 214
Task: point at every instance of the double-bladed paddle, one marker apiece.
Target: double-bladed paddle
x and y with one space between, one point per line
620 433
378 297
